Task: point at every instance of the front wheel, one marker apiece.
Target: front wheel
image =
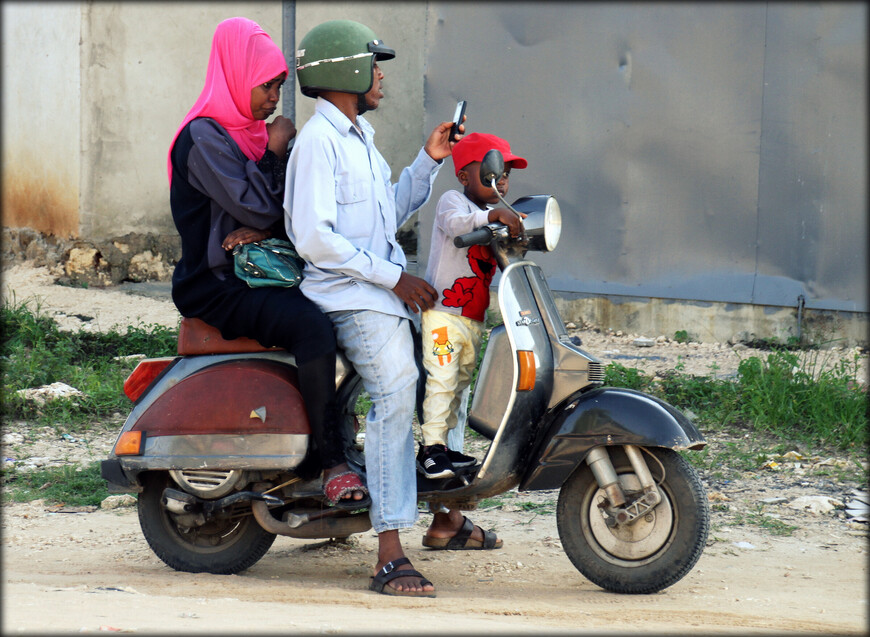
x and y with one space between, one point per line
221 546
658 549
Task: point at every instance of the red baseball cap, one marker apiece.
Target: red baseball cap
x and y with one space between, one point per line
474 146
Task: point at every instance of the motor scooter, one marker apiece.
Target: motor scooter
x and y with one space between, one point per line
217 435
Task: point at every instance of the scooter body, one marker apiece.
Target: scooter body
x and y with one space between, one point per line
225 421
216 441
542 432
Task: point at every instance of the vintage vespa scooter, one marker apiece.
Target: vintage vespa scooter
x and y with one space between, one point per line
217 436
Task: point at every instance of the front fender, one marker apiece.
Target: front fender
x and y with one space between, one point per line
607 416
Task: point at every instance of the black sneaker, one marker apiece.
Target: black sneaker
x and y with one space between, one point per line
432 462
459 460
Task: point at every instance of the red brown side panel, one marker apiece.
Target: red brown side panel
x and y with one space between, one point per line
241 397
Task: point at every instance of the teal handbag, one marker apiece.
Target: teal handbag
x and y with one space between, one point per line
270 262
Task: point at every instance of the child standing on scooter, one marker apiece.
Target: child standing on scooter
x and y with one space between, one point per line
462 277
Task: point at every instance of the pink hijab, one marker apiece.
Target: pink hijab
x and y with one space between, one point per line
242 56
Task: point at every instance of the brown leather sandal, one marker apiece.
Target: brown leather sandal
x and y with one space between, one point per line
462 540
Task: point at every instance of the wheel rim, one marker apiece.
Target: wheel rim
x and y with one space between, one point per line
628 545
213 536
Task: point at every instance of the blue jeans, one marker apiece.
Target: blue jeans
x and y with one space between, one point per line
381 349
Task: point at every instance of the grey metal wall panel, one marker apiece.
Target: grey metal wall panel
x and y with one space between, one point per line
649 122
812 225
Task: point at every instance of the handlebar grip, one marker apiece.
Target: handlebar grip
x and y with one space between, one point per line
481 236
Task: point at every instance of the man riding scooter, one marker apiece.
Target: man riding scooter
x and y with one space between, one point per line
215 440
342 214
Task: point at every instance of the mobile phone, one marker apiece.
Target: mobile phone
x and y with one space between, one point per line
457 119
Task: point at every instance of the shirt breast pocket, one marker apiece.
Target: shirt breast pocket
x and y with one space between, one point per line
355 209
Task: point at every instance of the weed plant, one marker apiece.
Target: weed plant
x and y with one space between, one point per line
787 397
781 395
35 352
69 485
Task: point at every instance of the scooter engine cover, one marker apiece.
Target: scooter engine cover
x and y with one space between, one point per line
207 483
236 397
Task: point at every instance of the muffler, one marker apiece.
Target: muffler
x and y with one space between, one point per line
312 525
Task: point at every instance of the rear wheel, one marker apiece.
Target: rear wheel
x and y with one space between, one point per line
221 546
658 549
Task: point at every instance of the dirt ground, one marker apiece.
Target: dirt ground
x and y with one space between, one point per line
81 570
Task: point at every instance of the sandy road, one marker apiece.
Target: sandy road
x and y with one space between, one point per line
69 572
64 572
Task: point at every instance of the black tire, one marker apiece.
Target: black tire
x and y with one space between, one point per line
222 547
654 553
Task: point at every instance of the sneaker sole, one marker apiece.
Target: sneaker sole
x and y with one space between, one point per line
447 473
461 463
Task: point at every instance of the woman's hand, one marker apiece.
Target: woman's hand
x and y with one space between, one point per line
439 145
281 130
243 235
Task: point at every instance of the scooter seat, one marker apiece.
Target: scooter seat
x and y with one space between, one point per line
196 337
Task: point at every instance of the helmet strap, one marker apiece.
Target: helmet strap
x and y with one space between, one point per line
361 104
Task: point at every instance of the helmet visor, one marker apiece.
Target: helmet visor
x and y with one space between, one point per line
381 51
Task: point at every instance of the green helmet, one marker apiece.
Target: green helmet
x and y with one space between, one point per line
339 55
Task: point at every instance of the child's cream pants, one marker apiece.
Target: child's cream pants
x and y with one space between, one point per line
451 344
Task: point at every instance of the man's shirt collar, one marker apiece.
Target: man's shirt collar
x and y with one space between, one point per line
339 120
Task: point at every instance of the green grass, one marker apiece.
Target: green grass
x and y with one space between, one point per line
35 352
491 503
772 405
541 508
785 396
758 518
728 459
69 485
798 399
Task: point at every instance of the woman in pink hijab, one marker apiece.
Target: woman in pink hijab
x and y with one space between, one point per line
226 173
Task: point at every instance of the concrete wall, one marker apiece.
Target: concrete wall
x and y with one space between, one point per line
143 66
92 95
699 151
87 127
94 91
398 121
41 128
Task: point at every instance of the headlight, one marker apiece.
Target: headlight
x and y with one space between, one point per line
543 223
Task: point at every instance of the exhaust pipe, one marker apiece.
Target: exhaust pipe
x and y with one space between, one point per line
181 502
310 526
194 511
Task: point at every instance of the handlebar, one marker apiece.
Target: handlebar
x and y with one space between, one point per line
481 236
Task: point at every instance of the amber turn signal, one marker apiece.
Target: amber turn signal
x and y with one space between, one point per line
129 444
526 360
